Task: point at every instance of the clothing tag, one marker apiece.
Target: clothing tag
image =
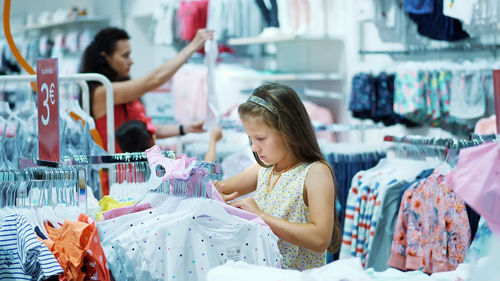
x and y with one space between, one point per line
234 253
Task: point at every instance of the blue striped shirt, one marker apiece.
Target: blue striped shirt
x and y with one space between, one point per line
22 256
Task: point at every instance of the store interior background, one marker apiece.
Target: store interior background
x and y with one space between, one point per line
136 16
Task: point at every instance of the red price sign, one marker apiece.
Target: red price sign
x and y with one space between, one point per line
47 76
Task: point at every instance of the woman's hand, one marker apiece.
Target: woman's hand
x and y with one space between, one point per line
220 188
248 204
195 127
199 39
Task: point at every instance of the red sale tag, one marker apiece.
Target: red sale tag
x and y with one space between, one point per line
47 76
496 83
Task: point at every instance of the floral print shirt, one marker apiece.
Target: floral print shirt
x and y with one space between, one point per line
432 233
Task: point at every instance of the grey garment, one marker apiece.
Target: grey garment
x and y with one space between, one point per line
392 22
489 92
380 250
467 98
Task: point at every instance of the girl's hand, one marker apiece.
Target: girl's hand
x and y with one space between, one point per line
248 204
220 188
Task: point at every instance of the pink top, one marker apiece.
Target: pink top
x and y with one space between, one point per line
118 212
486 126
476 179
174 169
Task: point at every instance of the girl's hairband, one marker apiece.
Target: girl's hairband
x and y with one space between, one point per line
262 102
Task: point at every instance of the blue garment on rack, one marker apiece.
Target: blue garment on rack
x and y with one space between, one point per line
363 93
345 167
385 99
435 24
480 244
270 15
373 98
22 256
419 6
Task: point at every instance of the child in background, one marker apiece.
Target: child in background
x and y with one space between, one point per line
133 136
294 185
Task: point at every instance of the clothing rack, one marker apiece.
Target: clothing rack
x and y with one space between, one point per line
424 50
448 143
348 127
117 158
131 180
61 193
485 138
92 160
81 80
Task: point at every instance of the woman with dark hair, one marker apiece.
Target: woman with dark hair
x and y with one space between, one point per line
109 54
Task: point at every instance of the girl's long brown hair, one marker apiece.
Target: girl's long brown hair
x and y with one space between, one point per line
294 125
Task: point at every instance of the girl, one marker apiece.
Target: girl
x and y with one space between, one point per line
293 184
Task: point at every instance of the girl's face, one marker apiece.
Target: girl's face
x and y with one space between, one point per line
120 60
266 141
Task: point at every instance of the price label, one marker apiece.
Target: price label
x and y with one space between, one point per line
47 76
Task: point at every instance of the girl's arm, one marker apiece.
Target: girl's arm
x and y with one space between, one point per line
215 136
316 234
127 91
241 184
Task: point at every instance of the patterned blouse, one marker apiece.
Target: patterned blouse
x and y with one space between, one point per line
286 201
432 233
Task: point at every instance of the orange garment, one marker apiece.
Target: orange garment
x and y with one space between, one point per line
96 267
64 244
77 247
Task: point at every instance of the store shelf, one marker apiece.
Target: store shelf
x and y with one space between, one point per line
285 38
288 76
323 94
79 20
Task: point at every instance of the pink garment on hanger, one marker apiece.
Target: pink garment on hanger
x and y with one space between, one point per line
215 195
299 11
192 16
486 126
190 94
174 169
10 132
322 114
118 212
476 179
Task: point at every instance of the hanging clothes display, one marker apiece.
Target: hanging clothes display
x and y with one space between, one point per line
432 233
453 100
373 98
44 239
346 165
370 190
183 234
409 218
